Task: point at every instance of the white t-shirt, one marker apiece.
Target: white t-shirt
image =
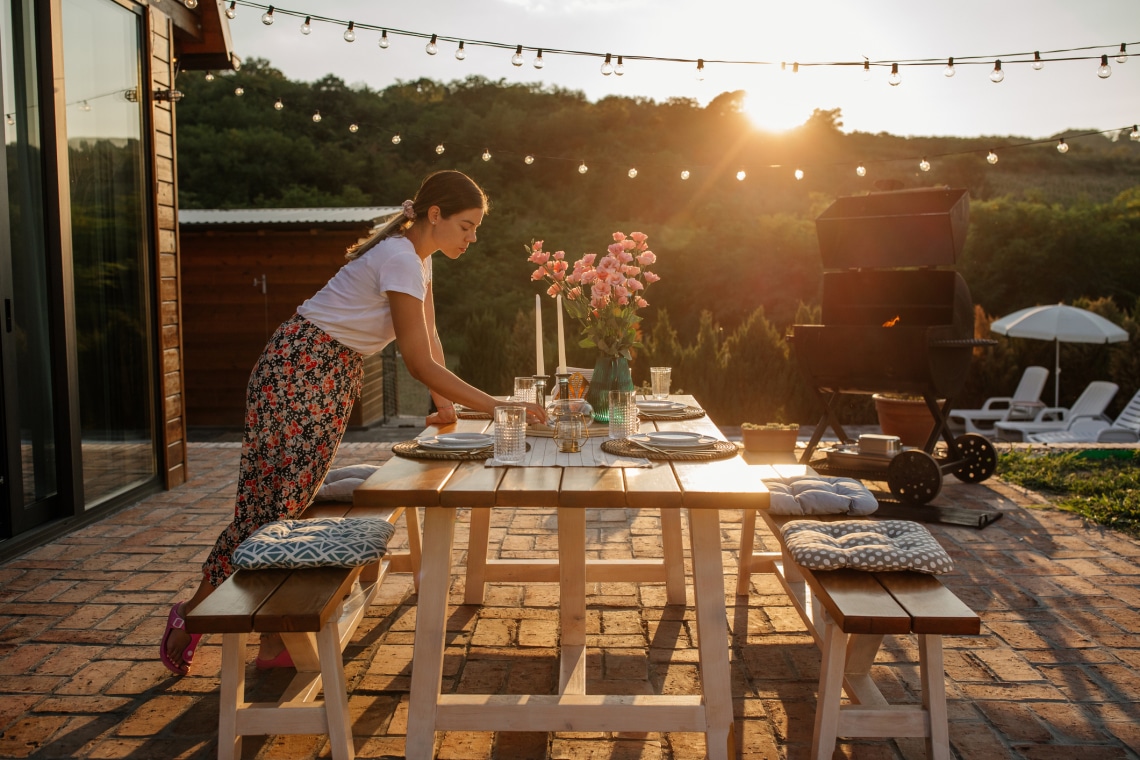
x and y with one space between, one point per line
353 306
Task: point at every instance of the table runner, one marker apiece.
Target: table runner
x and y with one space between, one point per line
544 453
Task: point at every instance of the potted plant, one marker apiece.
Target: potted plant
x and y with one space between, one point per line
906 416
771 436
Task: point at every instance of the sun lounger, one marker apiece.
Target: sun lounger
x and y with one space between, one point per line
1090 404
1124 429
1023 405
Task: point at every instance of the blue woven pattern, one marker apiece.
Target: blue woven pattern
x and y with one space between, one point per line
320 542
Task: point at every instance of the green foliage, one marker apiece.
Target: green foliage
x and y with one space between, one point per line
1106 491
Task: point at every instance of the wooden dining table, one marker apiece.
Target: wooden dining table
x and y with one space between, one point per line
701 489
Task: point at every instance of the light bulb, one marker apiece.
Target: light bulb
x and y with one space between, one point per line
620 68
866 70
799 173
528 160
1104 71
949 70
209 76
607 66
1122 58
685 174
895 79
582 168
350 32
384 39
307 26
700 69
191 4
439 149
992 157
632 173
997 74
1134 135
396 139
231 12
278 105
431 48
239 91
795 67
538 62
11 119
460 53
353 128
267 17
924 164
740 175
486 155
517 58
861 170
316 117
84 106
1062 146
1037 64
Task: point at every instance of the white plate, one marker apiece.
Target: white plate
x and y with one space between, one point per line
673 439
457 441
659 405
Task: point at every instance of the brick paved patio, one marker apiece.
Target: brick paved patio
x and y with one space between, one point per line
1055 674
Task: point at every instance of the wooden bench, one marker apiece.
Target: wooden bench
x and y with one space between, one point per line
848 612
306 607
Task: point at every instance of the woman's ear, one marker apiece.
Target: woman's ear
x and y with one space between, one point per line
434 215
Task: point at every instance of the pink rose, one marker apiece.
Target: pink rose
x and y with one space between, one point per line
641 302
625 257
554 290
602 289
652 276
631 271
574 276
645 258
615 249
597 302
639 237
629 245
559 255
621 294
540 257
538 274
588 259
633 284
536 245
609 265
558 267
619 236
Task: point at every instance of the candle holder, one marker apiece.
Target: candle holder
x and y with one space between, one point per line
540 390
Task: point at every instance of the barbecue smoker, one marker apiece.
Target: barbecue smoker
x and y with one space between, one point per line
894 323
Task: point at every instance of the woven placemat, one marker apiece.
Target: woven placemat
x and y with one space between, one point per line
720 450
413 450
688 413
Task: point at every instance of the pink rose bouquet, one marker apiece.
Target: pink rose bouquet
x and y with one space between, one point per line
604 294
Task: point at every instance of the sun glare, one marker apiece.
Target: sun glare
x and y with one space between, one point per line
775 113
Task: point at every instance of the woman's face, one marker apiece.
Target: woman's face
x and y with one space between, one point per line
453 234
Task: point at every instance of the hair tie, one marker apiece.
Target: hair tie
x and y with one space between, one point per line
409 210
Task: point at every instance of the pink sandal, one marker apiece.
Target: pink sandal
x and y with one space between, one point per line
282 660
173 621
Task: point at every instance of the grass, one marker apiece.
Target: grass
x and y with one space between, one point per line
1105 490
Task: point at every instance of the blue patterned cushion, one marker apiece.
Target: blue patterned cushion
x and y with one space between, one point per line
875 546
319 542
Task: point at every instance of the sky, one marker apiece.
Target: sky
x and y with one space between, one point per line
1062 96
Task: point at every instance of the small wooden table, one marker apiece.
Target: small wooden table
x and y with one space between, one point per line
442 487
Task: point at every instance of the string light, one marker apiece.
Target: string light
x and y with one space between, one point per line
924 164
949 70
700 69
997 75
191 4
866 69
84 106
231 12
354 128
1037 64
307 26
11 119
350 33
517 58
992 157
895 78
1134 135
796 68
486 154
740 175
396 139
431 48
799 174
620 68
528 160
384 39
861 170
582 168
607 66
316 117
1123 57
632 173
460 53
209 76
685 174
267 17
1104 71
278 105
1062 146
239 91
538 62
439 149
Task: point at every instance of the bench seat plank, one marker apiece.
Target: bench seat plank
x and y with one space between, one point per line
856 601
232 605
306 600
933 607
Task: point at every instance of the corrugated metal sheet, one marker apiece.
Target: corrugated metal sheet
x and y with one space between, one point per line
284 216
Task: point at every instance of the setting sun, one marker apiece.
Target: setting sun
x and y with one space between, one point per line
775 110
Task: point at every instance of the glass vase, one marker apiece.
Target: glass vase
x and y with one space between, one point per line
611 373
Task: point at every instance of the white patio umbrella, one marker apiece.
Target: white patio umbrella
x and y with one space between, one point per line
1060 324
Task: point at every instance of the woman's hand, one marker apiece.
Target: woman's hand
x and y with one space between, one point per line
443 416
534 412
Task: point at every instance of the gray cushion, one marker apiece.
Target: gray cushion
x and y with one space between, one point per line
319 542
877 545
341 482
815 495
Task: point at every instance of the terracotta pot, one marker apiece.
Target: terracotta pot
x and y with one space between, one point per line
769 440
909 419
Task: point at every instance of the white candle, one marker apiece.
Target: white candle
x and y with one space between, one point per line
561 339
538 334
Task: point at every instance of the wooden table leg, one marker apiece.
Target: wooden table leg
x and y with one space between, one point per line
475 575
712 632
412 523
572 600
431 632
744 559
673 553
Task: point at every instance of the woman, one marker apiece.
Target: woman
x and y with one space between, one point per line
302 388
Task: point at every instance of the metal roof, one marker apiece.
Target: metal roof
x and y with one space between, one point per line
284 216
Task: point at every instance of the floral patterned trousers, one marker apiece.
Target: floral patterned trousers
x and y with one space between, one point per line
299 398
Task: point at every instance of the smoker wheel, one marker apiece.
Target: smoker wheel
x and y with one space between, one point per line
977 457
914 477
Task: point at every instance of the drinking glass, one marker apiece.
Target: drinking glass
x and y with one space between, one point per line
510 434
524 389
623 414
659 381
